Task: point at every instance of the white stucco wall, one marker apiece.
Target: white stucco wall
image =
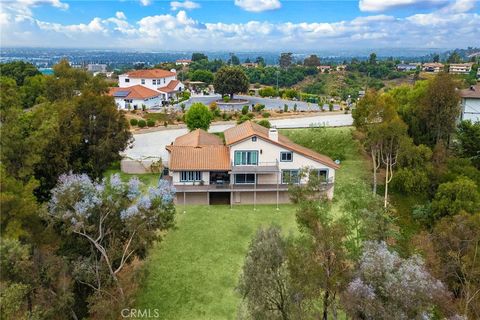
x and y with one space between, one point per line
470 109
148 82
176 178
149 103
268 152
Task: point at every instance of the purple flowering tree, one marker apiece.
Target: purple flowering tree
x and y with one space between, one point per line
116 218
389 287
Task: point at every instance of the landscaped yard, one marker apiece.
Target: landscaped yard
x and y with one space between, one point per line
192 274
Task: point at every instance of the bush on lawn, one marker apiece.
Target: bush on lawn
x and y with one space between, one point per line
133 122
245 110
243 119
266 114
142 123
265 123
150 123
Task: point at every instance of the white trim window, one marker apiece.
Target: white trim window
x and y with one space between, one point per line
290 176
322 174
154 82
286 156
246 158
190 176
143 81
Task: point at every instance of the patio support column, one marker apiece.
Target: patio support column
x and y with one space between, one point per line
255 193
184 201
208 197
231 199
277 190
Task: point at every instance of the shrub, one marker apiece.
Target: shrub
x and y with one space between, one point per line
250 115
150 123
144 107
265 123
133 122
182 107
213 106
330 107
198 117
226 99
142 123
258 107
267 92
285 108
243 119
295 107
245 110
266 114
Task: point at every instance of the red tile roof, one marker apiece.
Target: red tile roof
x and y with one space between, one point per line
170 87
203 158
151 74
198 138
134 92
249 129
472 92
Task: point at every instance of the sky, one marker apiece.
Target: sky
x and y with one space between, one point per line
240 25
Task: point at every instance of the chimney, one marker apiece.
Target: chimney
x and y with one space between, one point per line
273 134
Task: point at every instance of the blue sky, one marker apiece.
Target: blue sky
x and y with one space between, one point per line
235 25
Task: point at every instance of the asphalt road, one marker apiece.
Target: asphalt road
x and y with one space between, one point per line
152 144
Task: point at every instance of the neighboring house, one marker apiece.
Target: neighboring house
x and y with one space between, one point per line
255 165
460 68
163 82
183 62
324 69
406 67
96 67
341 67
470 103
433 67
250 65
135 97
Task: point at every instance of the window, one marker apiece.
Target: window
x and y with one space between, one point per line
322 174
154 81
254 139
286 156
127 80
246 158
143 81
245 178
190 176
290 176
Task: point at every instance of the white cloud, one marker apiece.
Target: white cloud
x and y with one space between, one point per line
258 5
120 15
383 5
189 5
146 2
443 28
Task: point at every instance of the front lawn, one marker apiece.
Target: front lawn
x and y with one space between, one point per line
192 274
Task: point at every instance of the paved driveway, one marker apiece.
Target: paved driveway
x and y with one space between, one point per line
152 144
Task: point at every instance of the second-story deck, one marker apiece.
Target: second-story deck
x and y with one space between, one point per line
261 167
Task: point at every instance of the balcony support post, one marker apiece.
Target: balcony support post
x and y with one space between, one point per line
277 188
184 201
255 193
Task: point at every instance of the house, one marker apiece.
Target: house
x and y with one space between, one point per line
163 82
341 67
135 97
460 68
96 67
470 103
433 67
406 67
254 165
183 62
250 65
324 69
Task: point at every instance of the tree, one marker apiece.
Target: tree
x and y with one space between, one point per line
286 59
389 287
264 282
451 251
436 58
32 90
230 80
468 136
456 196
197 56
202 75
116 221
198 117
441 107
18 70
234 60
265 123
312 61
454 58
373 58
260 61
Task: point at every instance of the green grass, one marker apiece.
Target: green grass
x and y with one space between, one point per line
192 274
148 179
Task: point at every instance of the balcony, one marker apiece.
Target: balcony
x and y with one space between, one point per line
261 167
231 187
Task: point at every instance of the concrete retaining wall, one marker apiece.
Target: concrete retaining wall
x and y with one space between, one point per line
138 166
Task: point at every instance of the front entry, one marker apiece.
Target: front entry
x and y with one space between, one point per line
217 198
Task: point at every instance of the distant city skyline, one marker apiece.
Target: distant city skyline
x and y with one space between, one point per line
240 25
